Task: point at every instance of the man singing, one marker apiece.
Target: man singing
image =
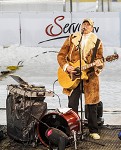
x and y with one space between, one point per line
69 54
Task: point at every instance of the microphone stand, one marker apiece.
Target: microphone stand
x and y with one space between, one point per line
79 48
82 132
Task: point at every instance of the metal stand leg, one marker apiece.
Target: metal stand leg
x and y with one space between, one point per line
75 139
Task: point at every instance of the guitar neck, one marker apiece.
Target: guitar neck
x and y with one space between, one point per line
108 59
90 65
87 66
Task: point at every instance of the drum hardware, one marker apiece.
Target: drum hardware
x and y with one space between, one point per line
75 139
77 136
64 122
56 137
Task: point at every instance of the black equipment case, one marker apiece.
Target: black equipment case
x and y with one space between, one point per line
23 114
25 107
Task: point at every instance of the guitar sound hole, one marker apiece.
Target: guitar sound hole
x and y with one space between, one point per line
77 71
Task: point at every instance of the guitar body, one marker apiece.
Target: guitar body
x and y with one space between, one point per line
71 81
65 79
83 71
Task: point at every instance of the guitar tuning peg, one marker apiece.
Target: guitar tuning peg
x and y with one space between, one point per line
115 52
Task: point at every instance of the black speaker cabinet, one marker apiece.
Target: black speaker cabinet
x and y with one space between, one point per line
23 113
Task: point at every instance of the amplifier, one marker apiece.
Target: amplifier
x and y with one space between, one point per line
23 116
25 107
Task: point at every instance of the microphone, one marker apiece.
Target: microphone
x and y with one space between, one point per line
82 30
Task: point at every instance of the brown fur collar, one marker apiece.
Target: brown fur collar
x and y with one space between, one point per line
90 43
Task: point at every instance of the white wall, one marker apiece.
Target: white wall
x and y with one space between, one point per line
9 28
31 28
58 5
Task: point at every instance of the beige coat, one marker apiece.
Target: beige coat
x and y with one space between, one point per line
70 53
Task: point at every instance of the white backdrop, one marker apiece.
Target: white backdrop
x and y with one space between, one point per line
50 29
9 29
34 26
107 25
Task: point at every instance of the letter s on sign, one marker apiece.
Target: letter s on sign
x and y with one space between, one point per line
50 27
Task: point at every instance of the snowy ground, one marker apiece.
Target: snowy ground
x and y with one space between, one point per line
40 67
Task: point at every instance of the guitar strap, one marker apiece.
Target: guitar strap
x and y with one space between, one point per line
95 50
94 55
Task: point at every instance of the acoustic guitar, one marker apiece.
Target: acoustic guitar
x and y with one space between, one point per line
71 81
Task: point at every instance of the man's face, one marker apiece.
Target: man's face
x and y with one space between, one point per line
88 28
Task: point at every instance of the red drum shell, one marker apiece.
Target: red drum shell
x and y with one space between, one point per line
65 122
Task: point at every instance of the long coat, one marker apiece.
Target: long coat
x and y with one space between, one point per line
70 53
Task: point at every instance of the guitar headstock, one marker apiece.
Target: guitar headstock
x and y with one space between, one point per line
112 57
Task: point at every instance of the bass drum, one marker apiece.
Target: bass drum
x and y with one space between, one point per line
65 122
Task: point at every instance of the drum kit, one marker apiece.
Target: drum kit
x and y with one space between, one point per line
66 122
54 127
